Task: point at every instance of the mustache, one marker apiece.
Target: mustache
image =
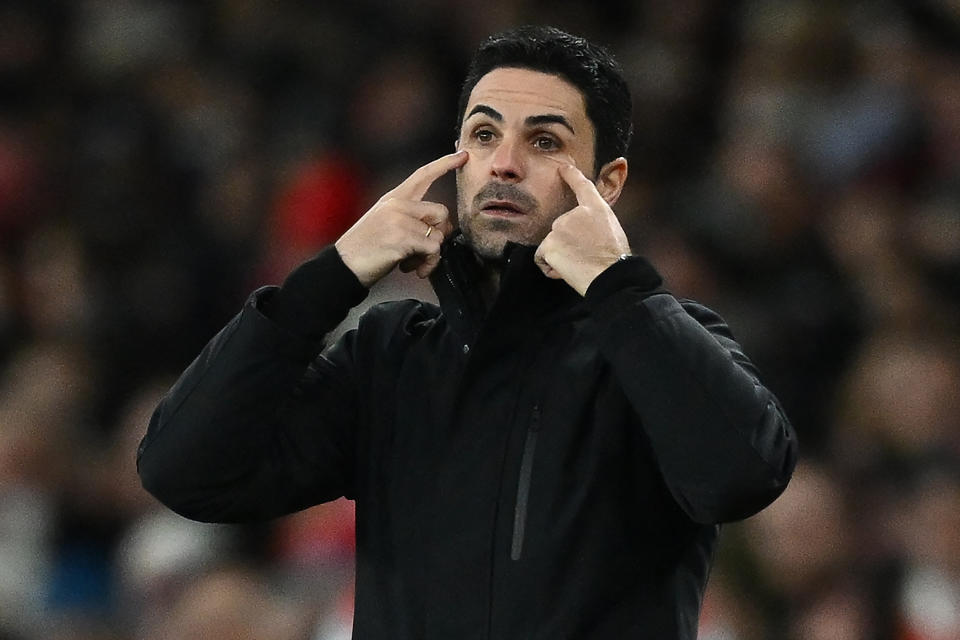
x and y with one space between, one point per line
505 191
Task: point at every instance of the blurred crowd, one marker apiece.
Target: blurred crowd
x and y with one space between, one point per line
796 167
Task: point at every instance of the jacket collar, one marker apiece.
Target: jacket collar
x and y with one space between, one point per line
526 297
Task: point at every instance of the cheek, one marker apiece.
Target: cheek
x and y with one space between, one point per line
461 186
473 174
467 186
554 193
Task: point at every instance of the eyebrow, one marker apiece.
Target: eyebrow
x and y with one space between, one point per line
490 111
530 121
549 118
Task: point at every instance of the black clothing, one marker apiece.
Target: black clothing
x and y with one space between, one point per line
555 467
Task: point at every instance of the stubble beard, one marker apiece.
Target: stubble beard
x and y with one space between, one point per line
488 237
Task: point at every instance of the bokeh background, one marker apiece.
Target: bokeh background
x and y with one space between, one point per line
796 166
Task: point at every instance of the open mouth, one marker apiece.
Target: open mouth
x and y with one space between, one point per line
502 208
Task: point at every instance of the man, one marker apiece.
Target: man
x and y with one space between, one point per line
547 454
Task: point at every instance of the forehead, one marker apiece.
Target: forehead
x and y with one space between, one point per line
524 92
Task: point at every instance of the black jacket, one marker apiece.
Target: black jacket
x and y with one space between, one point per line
554 468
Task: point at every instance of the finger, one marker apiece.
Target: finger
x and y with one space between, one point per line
416 261
446 228
582 187
428 250
416 186
419 239
431 213
434 233
540 260
428 264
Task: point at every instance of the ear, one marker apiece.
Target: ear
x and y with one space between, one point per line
611 178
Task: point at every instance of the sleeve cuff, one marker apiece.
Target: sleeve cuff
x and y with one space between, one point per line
316 296
632 272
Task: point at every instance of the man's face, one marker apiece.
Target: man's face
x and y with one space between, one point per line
519 126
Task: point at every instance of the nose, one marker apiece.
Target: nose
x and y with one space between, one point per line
507 162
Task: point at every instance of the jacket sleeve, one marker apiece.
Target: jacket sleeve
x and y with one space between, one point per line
723 444
259 425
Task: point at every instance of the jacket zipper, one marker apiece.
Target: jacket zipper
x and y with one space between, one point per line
523 485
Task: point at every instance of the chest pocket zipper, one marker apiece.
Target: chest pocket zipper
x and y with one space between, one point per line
523 484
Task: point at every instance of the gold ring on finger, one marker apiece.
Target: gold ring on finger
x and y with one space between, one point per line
429 231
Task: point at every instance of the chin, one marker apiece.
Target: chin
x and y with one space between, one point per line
485 247
491 251
489 238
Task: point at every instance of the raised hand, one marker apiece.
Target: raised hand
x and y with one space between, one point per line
584 241
401 228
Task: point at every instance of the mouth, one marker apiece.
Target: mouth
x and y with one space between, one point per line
502 208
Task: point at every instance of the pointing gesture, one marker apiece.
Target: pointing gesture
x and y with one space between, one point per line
419 182
583 188
401 228
584 241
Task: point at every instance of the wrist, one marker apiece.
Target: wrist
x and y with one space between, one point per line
630 272
581 283
354 261
316 296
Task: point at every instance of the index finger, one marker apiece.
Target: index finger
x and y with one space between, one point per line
582 187
416 186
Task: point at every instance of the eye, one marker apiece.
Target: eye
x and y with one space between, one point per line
546 143
483 135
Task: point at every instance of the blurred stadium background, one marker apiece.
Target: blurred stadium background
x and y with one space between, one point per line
796 166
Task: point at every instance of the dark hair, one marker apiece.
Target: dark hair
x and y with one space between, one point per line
588 67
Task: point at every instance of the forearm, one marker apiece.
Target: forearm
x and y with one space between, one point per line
202 451
723 444
237 438
316 296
